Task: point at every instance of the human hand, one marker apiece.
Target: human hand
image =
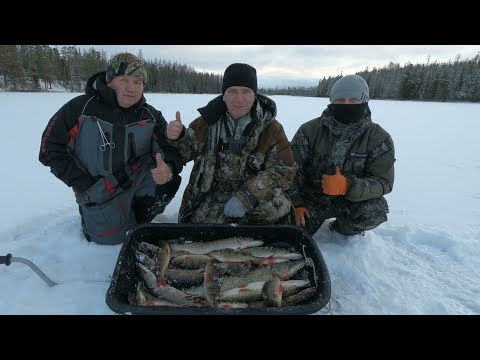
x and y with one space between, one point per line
334 184
234 208
162 173
175 127
300 214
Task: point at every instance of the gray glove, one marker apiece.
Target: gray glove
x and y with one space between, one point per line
234 208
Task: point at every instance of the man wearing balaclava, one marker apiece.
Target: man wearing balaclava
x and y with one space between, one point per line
243 161
346 165
109 146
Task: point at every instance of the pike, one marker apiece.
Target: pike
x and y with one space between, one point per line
245 293
284 271
275 290
153 301
287 270
148 249
260 274
232 305
290 287
233 269
211 284
184 277
143 298
272 252
167 292
190 261
270 291
232 256
195 290
235 243
300 297
162 259
145 260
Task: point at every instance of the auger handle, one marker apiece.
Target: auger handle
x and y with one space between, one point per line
7 260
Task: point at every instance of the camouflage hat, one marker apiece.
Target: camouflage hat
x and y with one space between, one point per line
126 64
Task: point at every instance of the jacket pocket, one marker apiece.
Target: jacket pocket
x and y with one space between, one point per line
103 190
358 163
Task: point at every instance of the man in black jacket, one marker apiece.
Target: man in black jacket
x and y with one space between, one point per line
110 146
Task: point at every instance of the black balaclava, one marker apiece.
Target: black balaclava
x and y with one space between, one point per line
348 113
350 86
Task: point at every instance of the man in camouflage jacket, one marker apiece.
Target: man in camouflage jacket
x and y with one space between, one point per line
346 164
243 161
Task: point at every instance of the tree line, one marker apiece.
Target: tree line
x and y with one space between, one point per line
453 81
26 67
38 67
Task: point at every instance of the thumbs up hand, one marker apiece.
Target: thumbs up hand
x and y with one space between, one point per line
334 184
175 127
162 173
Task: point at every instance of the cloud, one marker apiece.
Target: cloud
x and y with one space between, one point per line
296 62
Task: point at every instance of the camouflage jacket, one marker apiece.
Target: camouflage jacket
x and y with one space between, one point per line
363 151
263 167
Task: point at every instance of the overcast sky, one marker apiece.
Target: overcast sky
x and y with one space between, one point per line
299 63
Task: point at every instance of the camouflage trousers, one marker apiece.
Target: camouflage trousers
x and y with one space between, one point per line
351 217
210 211
107 223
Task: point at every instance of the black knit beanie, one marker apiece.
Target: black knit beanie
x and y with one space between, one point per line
240 75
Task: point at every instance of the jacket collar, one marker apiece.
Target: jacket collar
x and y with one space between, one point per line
97 86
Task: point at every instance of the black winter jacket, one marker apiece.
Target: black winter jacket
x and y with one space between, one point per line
71 141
